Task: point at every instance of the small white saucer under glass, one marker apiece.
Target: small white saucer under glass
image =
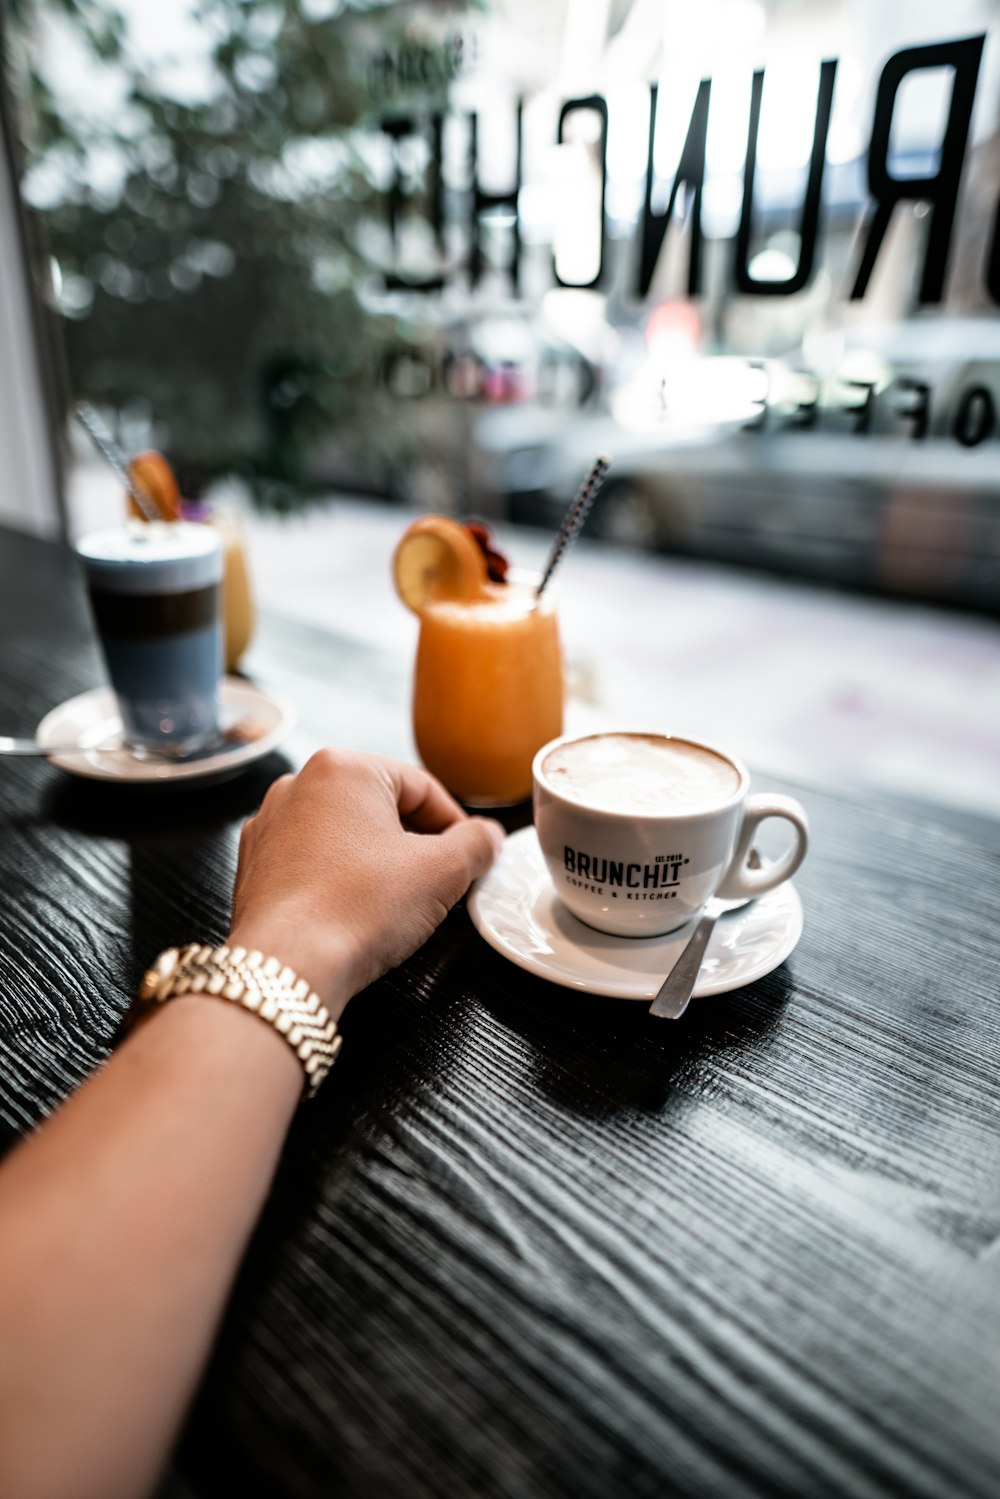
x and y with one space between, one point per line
516 909
92 719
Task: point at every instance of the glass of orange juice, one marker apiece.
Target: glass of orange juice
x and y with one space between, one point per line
237 595
488 684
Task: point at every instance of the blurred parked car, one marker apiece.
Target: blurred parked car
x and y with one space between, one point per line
441 371
845 492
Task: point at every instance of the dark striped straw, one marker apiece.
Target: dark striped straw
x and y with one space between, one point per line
574 518
115 457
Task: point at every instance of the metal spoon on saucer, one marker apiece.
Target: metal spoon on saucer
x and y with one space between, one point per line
678 986
245 731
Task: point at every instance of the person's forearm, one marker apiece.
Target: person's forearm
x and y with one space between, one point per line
122 1223
123 1219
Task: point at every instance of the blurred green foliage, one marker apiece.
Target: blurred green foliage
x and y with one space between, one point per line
211 233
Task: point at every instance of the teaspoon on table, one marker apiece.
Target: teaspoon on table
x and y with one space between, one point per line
245 732
678 986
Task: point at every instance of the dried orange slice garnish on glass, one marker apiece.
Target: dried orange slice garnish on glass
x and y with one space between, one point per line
151 473
437 558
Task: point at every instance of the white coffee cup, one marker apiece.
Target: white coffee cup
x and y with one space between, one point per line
640 830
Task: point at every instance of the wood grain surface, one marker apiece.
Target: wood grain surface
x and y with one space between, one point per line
528 1243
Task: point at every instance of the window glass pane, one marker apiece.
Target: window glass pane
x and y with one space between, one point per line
441 253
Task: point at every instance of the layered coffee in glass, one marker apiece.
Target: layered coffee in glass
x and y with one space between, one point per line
154 592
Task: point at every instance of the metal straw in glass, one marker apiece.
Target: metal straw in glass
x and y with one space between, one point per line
574 518
114 455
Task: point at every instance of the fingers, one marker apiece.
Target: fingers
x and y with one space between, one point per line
278 790
460 854
344 835
424 805
276 794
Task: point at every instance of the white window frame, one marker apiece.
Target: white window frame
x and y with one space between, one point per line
30 477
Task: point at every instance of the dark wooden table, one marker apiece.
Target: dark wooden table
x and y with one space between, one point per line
532 1244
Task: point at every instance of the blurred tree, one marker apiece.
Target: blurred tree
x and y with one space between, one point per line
210 215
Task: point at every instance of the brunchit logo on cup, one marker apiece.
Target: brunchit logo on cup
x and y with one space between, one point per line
639 830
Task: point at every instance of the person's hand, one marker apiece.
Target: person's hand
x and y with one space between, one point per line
350 865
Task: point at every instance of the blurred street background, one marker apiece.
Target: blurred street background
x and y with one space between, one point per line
806 682
803 681
810 682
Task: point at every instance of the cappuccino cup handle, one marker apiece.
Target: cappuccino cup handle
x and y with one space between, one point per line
740 882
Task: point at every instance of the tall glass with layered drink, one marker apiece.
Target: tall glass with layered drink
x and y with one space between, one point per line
488 683
154 593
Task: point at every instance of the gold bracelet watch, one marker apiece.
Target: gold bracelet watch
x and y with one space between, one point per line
264 986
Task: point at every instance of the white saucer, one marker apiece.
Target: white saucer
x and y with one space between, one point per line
516 909
93 719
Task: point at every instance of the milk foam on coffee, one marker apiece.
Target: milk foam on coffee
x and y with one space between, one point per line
640 773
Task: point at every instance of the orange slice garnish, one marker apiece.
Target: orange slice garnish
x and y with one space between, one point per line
152 473
436 559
